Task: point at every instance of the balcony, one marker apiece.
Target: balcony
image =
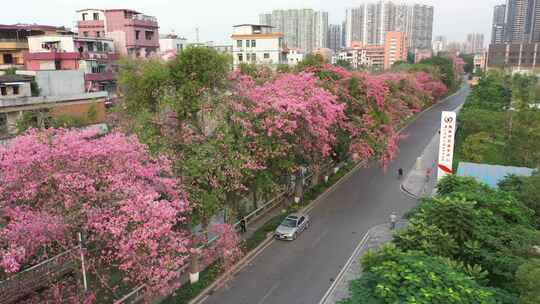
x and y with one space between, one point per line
142 21
90 24
97 77
13 44
52 56
100 56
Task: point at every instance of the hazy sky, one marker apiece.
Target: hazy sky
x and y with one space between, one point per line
214 18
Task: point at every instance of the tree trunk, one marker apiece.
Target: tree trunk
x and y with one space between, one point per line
316 175
194 267
299 188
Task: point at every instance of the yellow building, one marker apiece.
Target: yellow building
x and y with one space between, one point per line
13 42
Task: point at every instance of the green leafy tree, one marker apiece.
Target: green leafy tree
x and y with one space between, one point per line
394 276
527 278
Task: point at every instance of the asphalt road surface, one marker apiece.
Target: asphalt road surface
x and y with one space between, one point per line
301 271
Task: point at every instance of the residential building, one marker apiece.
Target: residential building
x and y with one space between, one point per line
475 43
376 55
355 56
172 42
439 44
456 47
420 55
369 22
515 57
295 56
94 56
134 34
479 62
517 24
14 43
304 29
334 37
253 43
499 22
74 102
395 48
223 48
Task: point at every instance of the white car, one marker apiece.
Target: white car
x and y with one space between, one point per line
292 226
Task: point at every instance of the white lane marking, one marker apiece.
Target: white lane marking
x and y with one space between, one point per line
347 265
268 293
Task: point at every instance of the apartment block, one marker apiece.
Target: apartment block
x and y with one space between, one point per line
475 43
304 29
14 42
499 22
96 57
134 33
369 22
253 43
334 37
395 48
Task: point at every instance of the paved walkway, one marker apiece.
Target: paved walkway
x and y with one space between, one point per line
416 184
377 236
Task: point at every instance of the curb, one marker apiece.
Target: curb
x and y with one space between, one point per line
408 193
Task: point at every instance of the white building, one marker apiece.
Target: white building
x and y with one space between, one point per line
295 56
356 57
257 44
172 42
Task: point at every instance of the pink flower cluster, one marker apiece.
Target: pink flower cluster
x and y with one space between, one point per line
57 183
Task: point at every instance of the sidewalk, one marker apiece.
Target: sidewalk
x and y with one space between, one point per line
416 184
375 238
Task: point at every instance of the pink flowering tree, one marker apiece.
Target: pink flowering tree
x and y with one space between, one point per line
57 183
290 119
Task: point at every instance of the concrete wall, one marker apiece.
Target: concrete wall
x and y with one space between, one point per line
60 83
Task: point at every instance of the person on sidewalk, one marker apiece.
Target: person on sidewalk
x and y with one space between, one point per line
393 220
400 173
243 225
428 174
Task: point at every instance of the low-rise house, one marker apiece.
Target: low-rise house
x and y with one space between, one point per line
259 44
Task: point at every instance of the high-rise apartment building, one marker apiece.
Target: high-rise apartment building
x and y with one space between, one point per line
395 48
334 37
368 23
499 21
475 43
517 12
304 29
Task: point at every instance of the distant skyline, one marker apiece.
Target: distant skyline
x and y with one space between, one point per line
453 19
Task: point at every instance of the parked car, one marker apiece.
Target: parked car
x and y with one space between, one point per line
292 226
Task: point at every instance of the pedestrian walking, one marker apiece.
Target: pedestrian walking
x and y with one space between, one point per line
393 220
243 225
428 175
400 173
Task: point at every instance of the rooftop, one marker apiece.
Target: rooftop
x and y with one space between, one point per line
490 174
247 24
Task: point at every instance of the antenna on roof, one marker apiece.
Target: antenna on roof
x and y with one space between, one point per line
197 34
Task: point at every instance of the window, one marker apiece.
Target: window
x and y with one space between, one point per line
96 16
137 34
247 43
98 34
3 91
240 57
253 43
16 90
266 55
100 46
248 57
239 43
84 16
253 57
85 34
8 59
90 46
149 35
3 123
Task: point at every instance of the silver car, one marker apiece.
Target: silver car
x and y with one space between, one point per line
292 226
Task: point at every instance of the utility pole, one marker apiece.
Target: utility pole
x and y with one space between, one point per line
82 264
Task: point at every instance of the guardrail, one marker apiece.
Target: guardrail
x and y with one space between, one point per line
38 276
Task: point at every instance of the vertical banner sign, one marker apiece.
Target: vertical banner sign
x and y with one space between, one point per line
446 144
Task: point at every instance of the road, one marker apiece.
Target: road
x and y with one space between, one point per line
300 272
